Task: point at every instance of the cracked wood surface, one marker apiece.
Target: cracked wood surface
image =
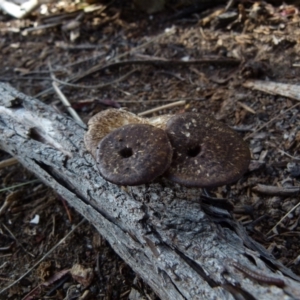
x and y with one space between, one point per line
161 230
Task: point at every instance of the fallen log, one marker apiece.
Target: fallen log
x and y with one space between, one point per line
182 248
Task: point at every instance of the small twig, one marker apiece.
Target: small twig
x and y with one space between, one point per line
288 155
246 107
40 260
116 58
159 100
8 162
97 86
158 62
280 221
40 27
269 122
170 105
229 5
276 190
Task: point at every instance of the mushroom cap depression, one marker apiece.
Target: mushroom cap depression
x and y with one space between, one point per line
207 153
104 122
134 154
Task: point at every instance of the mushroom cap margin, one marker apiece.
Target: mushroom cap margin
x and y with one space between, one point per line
207 153
134 154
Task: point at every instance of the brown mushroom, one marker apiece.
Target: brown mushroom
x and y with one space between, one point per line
134 154
107 120
104 122
207 153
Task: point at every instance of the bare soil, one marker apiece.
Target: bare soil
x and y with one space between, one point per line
117 56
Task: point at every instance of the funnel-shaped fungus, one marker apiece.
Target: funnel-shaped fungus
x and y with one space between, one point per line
206 152
134 154
106 121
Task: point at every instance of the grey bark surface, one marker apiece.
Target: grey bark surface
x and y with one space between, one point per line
161 230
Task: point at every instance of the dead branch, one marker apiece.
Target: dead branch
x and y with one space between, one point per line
276 190
183 249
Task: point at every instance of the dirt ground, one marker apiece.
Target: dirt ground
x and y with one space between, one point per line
117 56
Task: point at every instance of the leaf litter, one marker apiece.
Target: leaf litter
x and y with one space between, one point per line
239 64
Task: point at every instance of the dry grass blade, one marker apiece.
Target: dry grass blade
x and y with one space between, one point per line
18 185
65 101
16 240
272 120
67 104
281 220
246 107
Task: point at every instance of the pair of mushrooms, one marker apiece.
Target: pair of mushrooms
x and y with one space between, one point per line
190 148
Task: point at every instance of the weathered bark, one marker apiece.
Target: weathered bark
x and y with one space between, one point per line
160 229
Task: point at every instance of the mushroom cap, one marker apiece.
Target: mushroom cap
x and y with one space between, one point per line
207 153
134 154
104 122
